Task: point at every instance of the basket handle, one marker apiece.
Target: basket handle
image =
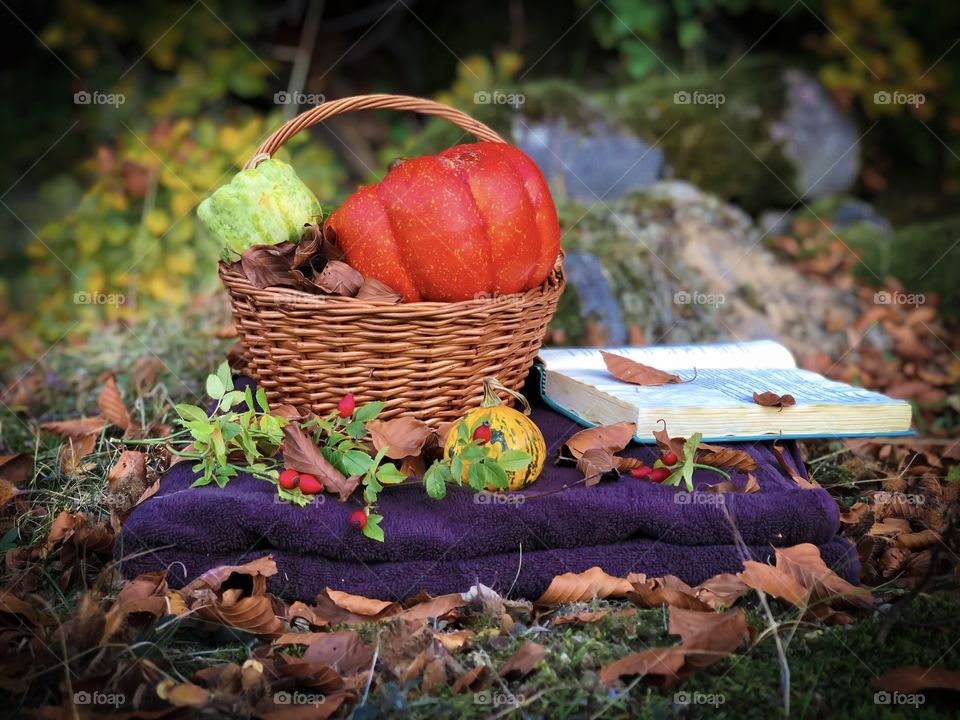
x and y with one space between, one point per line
324 110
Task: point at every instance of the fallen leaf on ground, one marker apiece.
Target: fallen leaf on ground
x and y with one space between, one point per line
433 607
402 437
630 371
721 590
72 454
669 590
913 678
583 587
359 605
75 428
802 579
612 438
214 578
114 409
523 661
771 399
344 651
16 469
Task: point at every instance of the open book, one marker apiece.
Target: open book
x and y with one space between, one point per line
718 401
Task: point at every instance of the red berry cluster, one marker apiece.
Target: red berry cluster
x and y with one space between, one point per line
291 480
657 474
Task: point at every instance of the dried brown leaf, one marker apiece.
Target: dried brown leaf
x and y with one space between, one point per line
301 454
402 437
665 591
667 444
612 438
344 651
214 578
726 457
75 428
583 587
338 278
16 469
721 590
597 463
771 399
269 265
73 452
914 678
373 289
523 661
778 451
728 486
630 371
918 540
183 694
128 473
360 605
112 406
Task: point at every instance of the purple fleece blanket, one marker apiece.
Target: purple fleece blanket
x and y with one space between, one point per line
514 543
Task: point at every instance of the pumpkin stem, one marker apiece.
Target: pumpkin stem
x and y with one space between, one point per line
491 399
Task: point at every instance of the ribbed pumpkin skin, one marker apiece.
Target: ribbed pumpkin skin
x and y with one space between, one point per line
510 430
470 221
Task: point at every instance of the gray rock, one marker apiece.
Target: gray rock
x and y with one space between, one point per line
600 163
820 141
851 211
587 278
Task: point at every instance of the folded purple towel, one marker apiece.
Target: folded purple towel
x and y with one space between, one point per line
623 526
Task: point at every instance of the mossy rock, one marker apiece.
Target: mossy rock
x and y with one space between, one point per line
923 257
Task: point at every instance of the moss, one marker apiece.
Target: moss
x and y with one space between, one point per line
923 257
726 148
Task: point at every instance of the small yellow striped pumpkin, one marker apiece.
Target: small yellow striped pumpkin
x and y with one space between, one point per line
509 430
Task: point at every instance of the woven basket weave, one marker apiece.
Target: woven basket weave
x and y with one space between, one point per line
425 359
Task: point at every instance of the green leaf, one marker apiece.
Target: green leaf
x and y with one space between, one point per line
262 400
689 453
513 460
473 453
225 376
372 529
389 474
456 469
498 475
475 476
294 496
355 429
463 432
434 481
215 387
370 411
191 412
371 489
355 462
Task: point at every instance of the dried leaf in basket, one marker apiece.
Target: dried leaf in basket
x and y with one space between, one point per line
338 278
269 265
310 245
373 289
631 371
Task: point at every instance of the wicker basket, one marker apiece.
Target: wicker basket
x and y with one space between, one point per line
426 359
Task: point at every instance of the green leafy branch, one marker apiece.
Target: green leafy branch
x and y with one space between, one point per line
683 469
482 468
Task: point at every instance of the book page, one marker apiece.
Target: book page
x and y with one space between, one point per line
757 354
728 388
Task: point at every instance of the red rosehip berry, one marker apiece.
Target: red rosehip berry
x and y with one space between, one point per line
658 475
358 520
309 485
289 479
640 472
346 406
482 434
669 458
